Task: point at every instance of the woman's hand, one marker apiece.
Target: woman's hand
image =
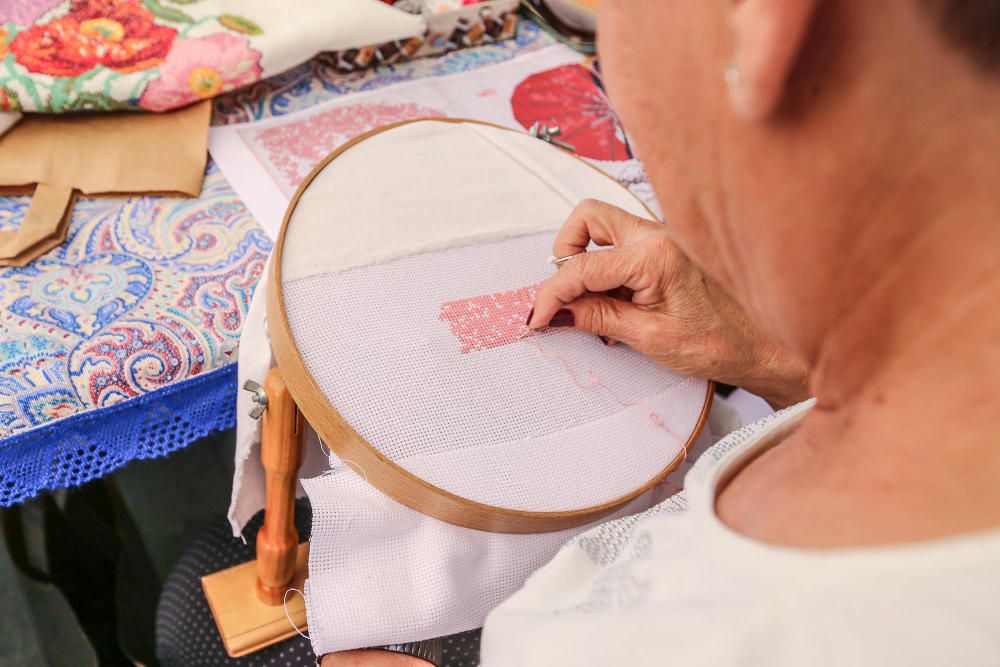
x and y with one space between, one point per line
676 316
367 657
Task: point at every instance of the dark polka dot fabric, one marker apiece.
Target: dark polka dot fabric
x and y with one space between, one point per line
186 635
461 650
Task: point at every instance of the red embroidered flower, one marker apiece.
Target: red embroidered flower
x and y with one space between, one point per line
119 34
568 97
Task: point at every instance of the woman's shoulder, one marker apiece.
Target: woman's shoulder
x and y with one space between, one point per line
766 431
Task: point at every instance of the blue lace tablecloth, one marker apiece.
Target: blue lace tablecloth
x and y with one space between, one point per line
121 343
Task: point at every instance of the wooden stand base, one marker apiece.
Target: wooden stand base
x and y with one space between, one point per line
245 623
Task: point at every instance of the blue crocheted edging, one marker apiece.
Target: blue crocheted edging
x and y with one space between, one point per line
77 449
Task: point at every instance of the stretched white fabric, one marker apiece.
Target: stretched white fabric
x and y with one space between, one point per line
556 421
466 205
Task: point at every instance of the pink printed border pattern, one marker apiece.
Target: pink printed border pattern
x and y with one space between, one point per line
289 151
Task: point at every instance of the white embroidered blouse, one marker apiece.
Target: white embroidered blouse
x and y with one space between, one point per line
675 586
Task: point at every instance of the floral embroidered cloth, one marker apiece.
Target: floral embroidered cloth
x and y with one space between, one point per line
120 344
67 55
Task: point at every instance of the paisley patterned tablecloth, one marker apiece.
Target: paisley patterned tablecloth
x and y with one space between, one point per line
121 343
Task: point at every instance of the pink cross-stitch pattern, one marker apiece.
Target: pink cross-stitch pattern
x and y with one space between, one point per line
491 320
289 151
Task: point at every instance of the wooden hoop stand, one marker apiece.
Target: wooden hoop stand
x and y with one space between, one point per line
248 601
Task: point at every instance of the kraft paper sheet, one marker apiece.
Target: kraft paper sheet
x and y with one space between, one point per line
99 154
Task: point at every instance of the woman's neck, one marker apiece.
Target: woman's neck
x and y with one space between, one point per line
908 396
934 304
934 243
902 445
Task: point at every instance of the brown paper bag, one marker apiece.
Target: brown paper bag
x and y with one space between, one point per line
105 153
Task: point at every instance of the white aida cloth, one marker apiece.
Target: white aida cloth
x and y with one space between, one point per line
427 299
432 374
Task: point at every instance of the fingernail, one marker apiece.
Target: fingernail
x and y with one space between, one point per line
531 314
604 339
562 318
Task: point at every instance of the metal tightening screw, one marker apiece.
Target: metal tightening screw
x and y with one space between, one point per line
259 397
548 133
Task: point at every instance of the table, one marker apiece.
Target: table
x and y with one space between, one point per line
121 343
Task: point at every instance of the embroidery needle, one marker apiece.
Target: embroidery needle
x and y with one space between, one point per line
557 261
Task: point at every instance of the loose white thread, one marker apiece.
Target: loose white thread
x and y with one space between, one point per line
327 452
332 458
359 470
284 603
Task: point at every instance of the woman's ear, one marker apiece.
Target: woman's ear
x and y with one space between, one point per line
767 39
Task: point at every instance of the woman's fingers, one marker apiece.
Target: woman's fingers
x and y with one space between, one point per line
602 223
593 272
614 319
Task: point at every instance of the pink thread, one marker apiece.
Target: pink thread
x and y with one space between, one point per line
654 417
494 320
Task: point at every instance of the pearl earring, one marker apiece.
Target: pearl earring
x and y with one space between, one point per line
733 75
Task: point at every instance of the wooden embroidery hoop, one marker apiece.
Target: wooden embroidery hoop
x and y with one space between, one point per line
249 622
381 472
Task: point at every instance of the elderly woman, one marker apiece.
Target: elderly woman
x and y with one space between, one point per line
831 185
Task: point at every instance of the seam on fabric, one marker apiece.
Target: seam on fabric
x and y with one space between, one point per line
521 161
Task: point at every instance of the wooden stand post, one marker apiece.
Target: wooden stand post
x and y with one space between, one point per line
247 600
281 454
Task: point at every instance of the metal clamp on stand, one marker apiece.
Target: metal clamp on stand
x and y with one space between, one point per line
548 134
259 398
